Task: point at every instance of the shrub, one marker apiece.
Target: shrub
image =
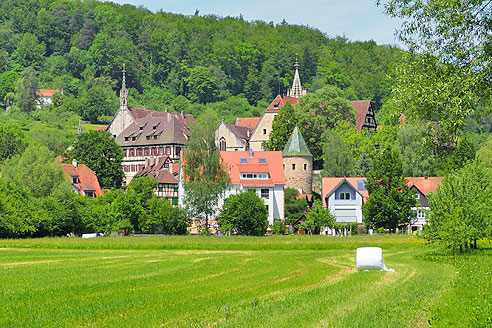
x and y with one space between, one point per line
278 228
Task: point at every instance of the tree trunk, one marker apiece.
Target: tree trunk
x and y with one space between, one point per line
475 244
461 249
466 244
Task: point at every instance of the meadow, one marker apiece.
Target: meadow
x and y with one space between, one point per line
282 281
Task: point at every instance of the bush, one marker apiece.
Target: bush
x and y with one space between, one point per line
278 228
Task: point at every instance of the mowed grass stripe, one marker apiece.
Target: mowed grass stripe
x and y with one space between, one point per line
82 284
284 282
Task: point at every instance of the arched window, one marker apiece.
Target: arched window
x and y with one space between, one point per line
222 144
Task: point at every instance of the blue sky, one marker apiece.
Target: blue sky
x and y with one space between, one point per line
356 19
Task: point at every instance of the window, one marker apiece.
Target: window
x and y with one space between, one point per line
420 214
222 144
90 193
293 167
345 195
166 165
243 160
168 150
259 176
305 167
178 150
175 201
139 151
264 131
265 193
75 180
262 160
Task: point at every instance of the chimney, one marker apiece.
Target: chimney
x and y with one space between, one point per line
247 132
250 152
74 163
426 177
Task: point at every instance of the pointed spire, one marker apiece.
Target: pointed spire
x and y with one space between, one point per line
124 90
296 90
296 145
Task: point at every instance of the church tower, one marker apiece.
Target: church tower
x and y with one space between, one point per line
298 163
296 91
122 119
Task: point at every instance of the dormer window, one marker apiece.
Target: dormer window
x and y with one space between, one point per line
262 160
126 138
141 127
148 137
155 137
75 180
134 138
243 160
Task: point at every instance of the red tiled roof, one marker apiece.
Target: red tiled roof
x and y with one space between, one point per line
424 184
308 197
361 108
46 93
248 122
102 128
279 102
273 166
87 178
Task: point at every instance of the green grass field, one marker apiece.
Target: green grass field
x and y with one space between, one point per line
285 281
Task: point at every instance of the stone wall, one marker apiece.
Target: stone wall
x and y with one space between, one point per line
300 177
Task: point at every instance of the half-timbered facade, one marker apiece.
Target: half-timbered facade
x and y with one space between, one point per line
365 118
165 172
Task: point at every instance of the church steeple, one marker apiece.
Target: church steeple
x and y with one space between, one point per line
124 90
296 91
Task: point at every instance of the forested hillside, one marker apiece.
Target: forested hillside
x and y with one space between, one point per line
173 62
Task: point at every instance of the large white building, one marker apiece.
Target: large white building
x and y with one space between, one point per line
261 171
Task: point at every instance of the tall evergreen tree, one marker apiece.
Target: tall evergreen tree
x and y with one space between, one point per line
390 200
282 127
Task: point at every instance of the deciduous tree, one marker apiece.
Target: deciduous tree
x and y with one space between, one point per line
244 213
99 151
282 127
390 200
205 178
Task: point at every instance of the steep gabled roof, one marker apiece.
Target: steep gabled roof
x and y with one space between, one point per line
279 102
158 171
240 132
424 184
87 178
361 108
248 122
329 185
296 145
273 166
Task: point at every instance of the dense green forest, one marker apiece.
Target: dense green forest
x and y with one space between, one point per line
173 61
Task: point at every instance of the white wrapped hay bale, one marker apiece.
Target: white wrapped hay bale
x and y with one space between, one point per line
370 258
89 235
